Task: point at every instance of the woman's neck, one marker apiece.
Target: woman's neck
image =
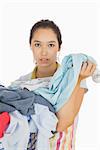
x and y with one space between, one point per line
46 71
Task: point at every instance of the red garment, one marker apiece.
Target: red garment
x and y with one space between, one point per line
4 122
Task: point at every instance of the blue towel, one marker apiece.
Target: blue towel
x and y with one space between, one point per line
64 80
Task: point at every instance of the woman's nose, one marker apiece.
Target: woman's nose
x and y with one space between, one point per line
44 51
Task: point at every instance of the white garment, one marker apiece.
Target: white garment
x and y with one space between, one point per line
17 134
45 122
32 84
96 76
1 146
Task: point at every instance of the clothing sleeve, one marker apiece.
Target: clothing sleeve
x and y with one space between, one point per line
84 85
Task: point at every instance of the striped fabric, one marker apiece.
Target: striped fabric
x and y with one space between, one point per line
60 140
64 141
32 141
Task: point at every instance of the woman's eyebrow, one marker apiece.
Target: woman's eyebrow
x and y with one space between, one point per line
51 41
37 41
47 41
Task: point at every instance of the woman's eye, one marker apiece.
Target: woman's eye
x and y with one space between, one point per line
37 45
51 45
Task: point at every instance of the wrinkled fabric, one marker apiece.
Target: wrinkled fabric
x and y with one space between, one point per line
20 99
62 82
18 132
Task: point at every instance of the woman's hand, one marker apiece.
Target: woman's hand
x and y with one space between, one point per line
87 70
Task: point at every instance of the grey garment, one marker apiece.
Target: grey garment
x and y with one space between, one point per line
20 99
41 100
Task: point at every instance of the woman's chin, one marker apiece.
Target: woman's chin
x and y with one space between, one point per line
43 64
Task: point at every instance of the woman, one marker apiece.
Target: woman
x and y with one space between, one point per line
45 42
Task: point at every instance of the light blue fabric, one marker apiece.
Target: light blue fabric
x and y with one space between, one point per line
64 80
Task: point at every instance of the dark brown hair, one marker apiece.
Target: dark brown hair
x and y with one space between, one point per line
46 24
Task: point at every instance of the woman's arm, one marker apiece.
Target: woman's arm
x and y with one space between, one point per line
67 113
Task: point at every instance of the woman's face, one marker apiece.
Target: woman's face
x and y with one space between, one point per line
44 46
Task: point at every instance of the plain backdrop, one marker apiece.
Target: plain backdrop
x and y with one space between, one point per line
79 23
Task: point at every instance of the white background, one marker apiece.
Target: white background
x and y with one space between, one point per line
79 22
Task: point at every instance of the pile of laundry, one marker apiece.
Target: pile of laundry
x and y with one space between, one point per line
29 106
25 113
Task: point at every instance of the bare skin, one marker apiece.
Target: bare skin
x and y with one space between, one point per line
44 47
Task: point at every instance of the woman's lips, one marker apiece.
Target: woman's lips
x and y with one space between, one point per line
44 60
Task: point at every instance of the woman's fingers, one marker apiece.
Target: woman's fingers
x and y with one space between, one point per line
93 69
87 69
83 68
